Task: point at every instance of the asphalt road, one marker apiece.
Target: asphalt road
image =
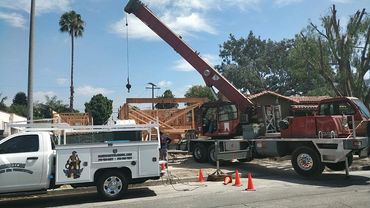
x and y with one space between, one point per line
279 190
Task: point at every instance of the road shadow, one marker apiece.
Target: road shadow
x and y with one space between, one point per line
273 169
71 197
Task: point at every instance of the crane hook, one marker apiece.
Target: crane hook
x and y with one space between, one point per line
128 85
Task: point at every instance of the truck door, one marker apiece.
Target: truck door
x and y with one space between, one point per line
21 163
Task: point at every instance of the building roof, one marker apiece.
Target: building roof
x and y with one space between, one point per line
299 103
309 99
267 92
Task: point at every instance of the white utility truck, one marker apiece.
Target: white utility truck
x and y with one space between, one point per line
46 156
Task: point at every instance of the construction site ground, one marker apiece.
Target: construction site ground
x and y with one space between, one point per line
182 166
183 169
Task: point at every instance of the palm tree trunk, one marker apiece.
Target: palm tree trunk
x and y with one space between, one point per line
72 87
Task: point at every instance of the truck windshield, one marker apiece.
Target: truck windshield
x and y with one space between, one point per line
362 108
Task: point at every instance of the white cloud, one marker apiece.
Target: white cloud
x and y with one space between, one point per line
62 81
181 91
17 7
88 90
282 3
342 1
137 29
212 59
164 84
184 17
182 65
14 19
42 6
39 96
184 25
240 4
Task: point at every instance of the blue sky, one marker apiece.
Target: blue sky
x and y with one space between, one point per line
100 55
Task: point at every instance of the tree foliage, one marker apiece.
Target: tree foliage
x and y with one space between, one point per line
45 110
254 65
309 77
198 91
20 110
72 23
342 55
19 105
100 108
3 106
166 94
20 99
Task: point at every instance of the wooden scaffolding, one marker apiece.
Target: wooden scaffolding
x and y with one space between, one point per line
174 121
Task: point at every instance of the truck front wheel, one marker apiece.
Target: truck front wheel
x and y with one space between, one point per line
306 162
111 185
200 153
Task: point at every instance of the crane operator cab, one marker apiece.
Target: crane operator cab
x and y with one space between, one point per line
219 119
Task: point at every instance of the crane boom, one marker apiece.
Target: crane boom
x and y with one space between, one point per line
210 75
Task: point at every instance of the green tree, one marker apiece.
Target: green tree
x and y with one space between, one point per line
166 94
342 56
20 99
254 65
100 108
303 71
198 91
45 110
20 110
72 23
3 106
19 105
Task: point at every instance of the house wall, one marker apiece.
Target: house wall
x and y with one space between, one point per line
6 118
274 100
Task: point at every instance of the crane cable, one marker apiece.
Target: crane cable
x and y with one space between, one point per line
128 85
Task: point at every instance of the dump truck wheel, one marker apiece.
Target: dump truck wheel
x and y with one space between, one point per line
306 162
112 185
200 153
339 166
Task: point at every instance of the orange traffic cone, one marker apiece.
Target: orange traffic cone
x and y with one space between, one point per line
237 179
250 183
200 178
228 179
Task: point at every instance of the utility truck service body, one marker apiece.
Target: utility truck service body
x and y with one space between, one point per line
227 132
36 160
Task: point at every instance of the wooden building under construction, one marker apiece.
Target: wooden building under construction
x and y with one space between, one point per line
174 121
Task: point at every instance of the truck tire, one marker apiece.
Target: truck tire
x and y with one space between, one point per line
111 185
211 154
339 166
306 162
200 153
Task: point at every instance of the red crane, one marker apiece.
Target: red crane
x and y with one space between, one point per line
240 103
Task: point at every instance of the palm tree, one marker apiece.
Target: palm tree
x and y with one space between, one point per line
72 23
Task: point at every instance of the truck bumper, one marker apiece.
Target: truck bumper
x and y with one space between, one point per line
359 143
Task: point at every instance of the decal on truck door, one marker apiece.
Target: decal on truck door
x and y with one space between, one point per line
14 167
73 166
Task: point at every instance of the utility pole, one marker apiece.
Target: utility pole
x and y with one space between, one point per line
30 63
153 87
